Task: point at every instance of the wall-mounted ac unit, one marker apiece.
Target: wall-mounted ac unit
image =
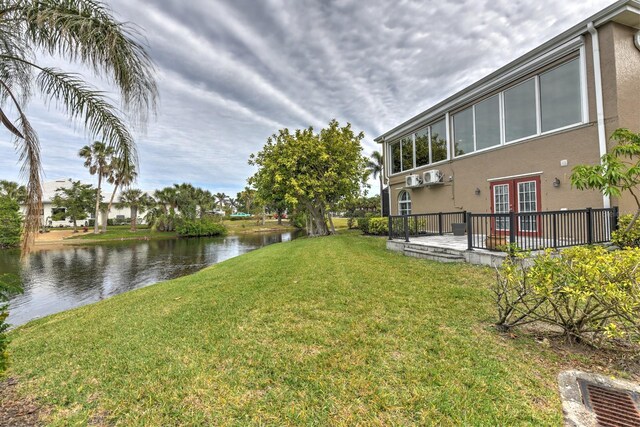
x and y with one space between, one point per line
412 181
432 177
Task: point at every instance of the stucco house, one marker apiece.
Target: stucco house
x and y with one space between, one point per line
49 190
510 140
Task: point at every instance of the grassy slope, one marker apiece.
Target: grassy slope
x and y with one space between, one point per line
316 331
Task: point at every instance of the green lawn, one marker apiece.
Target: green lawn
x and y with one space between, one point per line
124 233
323 331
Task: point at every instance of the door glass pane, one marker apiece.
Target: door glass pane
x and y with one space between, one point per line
520 111
438 141
527 202
422 147
501 205
560 96
463 132
488 123
395 156
407 152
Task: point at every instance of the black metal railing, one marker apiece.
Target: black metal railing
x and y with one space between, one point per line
524 231
429 224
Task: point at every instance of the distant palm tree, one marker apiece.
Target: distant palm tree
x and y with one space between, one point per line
136 200
13 190
122 175
205 200
375 166
97 157
222 198
83 32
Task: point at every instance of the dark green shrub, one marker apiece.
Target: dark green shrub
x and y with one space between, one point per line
10 223
624 238
9 285
379 226
363 224
200 228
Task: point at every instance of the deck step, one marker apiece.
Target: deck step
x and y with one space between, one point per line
427 253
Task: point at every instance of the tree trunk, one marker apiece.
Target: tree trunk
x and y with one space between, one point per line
333 228
134 218
279 217
104 224
105 218
75 225
264 214
96 229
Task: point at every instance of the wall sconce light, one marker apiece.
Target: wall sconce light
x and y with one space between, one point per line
556 182
477 191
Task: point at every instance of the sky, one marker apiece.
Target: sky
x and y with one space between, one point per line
233 72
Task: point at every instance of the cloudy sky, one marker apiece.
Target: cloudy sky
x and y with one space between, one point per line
232 72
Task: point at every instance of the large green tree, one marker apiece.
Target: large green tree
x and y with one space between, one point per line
10 222
312 171
77 201
79 31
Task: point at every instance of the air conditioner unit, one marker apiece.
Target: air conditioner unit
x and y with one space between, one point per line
432 177
412 181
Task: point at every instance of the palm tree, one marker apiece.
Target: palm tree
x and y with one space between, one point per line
221 197
122 175
13 191
83 32
375 166
137 200
97 157
205 200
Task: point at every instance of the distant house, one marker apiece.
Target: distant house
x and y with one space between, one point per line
509 141
49 190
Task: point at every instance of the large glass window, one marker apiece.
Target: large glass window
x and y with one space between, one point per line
488 123
560 96
404 203
520 111
438 141
463 131
527 202
407 152
396 161
422 147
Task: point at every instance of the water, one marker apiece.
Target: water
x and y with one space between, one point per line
59 279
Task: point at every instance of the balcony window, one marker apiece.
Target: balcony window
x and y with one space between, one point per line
520 111
422 147
487 121
407 152
439 141
560 96
463 132
396 158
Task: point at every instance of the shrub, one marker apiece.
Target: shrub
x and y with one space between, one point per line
9 285
10 223
379 226
363 224
200 228
624 238
591 294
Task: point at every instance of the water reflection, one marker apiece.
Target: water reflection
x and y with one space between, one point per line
57 280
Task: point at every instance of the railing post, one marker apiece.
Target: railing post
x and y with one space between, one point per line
616 217
390 228
468 220
589 226
512 227
464 216
405 220
555 230
440 223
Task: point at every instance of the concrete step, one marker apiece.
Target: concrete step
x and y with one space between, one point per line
432 249
426 253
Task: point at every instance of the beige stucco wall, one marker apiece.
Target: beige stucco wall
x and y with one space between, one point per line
620 63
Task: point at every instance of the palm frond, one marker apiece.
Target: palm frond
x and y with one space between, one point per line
101 119
84 31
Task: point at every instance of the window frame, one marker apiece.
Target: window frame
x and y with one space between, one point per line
401 202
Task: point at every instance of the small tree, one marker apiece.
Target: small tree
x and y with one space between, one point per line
98 158
77 201
13 190
137 201
123 174
618 171
375 166
10 223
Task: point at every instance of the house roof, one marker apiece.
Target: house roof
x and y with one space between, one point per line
625 12
49 188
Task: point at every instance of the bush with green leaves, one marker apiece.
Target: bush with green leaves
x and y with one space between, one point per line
626 236
379 226
9 285
201 227
10 223
591 294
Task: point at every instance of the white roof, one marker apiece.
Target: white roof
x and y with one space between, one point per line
49 188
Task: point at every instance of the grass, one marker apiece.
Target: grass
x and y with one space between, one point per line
125 233
324 331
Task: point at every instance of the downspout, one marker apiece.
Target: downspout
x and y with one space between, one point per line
602 138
